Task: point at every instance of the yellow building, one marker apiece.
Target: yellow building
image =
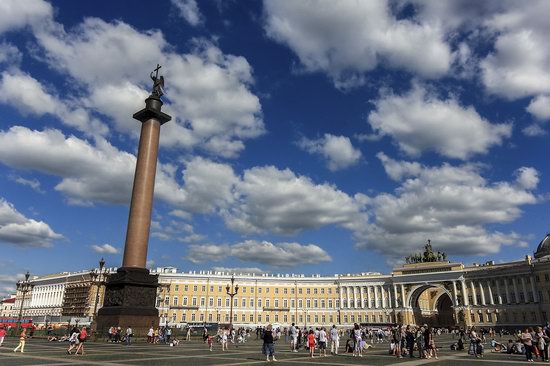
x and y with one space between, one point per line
428 289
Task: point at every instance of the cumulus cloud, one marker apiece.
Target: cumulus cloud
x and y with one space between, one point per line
239 270
282 202
207 92
90 173
452 205
18 14
264 252
337 150
19 230
540 107
29 96
104 248
189 11
346 39
8 283
420 121
33 183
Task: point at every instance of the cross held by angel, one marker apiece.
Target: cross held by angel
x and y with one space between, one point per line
158 82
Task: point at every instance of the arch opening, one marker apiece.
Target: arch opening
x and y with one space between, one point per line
432 305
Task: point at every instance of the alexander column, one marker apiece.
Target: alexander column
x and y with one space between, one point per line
130 294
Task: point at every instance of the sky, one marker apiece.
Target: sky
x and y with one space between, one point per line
306 136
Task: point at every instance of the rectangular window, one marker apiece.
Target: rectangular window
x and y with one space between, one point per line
308 303
285 291
330 291
235 302
345 318
300 303
227 302
267 290
330 303
316 318
285 303
259 303
315 291
285 318
183 317
533 316
244 292
276 317
292 291
211 288
299 291
203 301
167 300
243 318
210 317
203 288
259 318
195 288
252 318
244 304
276 290
251 303
175 302
267 303
276 303
219 289
176 288
530 295
186 288
260 290
331 319
219 301
308 291
322 303
315 303
292 303
267 318
201 317
322 291
352 318
194 301
185 301
193 317
252 290
210 301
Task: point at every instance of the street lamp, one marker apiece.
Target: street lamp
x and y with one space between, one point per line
23 286
99 276
231 292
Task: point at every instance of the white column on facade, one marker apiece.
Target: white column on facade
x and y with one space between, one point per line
535 295
516 292
474 295
396 302
455 297
362 296
348 305
341 298
499 294
357 296
524 288
490 293
482 293
507 290
389 297
369 298
464 293
354 296
376 297
383 295
403 296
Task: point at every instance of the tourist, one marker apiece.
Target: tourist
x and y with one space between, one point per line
224 339
150 335
475 343
129 335
311 342
420 342
527 341
431 350
73 340
293 338
167 334
268 348
397 338
322 342
334 340
357 339
188 335
22 338
81 338
409 339
2 335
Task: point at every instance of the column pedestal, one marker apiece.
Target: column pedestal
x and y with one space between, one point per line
130 299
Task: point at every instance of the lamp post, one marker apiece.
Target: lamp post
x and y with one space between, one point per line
231 291
337 283
97 277
23 286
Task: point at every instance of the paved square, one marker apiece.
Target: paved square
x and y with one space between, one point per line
41 352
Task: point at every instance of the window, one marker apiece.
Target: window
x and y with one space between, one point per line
346 318
285 291
322 291
259 303
330 303
194 301
210 317
185 301
219 289
203 301
315 303
299 291
546 277
276 317
521 297
183 317
243 318
533 316
186 288
316 318
489 317
308 291
285 303
285 318
267 303
244 304
176 288
259 318
244 292
308 303
210 301
175 302
219 301
227 302
330 292
193 317
201 317
276 290
267 290
276 303
260 290
251 303
252 290
252 318
195 288
352 318
292 303
300 303
267 318
292 291
203 288
211 288
530 295
323 303
315 291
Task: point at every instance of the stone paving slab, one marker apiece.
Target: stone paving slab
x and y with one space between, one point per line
41 352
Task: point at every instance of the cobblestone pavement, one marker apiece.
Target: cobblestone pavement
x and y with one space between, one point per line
41 352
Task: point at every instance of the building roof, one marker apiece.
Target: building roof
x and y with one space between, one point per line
543 249
8 301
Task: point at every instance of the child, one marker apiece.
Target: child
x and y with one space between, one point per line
210 341
311 342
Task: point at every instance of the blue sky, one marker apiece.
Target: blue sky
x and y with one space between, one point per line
307 137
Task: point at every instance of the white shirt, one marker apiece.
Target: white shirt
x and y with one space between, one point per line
334 334
322 336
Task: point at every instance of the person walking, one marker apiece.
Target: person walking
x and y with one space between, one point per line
224 339
527 341
431 350
150 335
357 350
188 335
73 340
409 340
269 346
293 338
82 338
129 335
397 336
2 335
22 338
322 342
311 342
334 340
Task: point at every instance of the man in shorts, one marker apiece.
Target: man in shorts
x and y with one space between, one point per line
293 338
322 342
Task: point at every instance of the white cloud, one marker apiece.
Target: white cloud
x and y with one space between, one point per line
105 248
239 270
16 14
277 255
19 230
189 11
90 173
419 121
207 92
280 201
9 54
33 183
347 38
533 130
452 205
337 150
540 107
29 96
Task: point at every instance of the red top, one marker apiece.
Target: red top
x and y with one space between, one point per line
311 340
83 334
2 332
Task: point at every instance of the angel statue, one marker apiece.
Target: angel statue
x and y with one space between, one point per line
158 83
